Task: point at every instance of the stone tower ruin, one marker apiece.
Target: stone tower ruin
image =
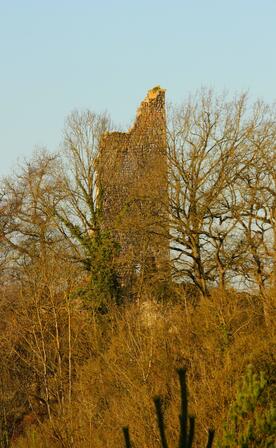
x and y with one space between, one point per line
134 180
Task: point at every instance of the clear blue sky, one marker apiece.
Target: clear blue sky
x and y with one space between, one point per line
58 55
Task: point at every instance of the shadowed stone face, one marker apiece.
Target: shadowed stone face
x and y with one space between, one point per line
133 177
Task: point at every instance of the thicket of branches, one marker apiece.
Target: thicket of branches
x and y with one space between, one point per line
75 342
222 192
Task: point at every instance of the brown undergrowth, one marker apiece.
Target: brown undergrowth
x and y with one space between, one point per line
131 355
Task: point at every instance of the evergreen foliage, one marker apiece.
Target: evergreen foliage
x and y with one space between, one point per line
251 420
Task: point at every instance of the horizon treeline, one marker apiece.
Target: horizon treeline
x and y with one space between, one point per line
78 338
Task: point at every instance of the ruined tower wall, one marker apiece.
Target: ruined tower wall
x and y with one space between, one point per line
133 175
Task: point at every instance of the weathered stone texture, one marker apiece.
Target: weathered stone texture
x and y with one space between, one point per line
133 175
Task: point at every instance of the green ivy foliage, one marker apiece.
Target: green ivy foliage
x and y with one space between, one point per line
104 282
103 286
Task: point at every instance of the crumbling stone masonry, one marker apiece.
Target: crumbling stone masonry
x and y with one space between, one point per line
133 176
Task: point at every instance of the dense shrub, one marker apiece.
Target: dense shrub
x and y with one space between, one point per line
131 356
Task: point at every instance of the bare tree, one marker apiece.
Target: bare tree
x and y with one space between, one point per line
80 211
27 220
210 149
79 214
